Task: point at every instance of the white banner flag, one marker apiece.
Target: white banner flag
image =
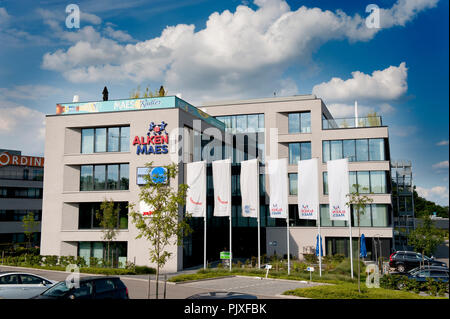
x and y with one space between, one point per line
277 169
338 188
250 188
308 189
196 193
222 187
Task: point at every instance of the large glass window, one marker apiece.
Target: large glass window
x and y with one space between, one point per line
113 177
299 122
252 123
325 151
364 217
380 215
113 139
336 150
124 176
363 182
100 140
325 183
87 140
362 150
378 182
376 149
101 177
352 182
125 139
86 178
294 123
299 151
241 123
349 150
87 216
293 184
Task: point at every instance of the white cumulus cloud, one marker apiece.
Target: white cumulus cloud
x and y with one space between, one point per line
237 54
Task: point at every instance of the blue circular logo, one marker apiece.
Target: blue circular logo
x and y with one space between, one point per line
158 175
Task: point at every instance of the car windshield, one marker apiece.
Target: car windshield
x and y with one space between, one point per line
57 290
424 257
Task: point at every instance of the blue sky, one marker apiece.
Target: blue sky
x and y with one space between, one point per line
212 50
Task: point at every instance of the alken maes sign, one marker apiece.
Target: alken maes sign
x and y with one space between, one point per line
155 142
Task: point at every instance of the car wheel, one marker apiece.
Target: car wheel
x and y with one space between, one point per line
401 268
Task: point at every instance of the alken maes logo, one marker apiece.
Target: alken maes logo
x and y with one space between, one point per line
306 211
156 141
337 211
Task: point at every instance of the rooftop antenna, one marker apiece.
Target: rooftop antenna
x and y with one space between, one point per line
356 113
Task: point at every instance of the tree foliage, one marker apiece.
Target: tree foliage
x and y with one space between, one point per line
29 225
108 216
426 238
136 93
164 227
423 207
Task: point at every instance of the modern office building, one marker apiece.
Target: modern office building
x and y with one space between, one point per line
96 151
20 193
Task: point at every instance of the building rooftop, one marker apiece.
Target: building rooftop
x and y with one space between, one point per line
262 100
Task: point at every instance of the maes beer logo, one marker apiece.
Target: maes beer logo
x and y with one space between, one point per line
156 141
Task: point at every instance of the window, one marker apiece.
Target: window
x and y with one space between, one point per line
104 285
87 218
86 178
100 140
325 151
31 280
363 182
336 150
102 177
125 139
299 122
380 215
365 219
87 140
293 184
105 139
85 289
325 182
349 150
113 139
9 280
99 177
299 151
376 149
362 150
378 182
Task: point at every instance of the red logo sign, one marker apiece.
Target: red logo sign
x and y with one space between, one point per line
19 160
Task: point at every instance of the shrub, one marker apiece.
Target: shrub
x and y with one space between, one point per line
310 258
345 268
94 262
50 261
142 270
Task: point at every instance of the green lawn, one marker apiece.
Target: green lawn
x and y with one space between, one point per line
350 291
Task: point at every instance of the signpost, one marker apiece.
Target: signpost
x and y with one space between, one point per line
311 270
225 256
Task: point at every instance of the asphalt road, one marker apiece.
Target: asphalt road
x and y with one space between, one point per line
138 285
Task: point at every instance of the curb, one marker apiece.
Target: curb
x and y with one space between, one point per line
204 279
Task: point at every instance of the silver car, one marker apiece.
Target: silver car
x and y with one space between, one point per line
21 285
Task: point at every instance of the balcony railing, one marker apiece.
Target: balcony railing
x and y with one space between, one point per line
351 122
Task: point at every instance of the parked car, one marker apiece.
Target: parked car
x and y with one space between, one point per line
222 295
22 285
89 288
421 274
407 260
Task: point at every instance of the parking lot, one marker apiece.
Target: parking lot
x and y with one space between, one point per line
138 285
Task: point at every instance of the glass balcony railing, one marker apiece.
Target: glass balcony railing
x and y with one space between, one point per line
371 121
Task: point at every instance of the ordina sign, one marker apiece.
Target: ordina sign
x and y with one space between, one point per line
19 160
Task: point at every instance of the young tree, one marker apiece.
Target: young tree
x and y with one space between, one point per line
29 225
108 215
359 203
164 226
426 237
136 93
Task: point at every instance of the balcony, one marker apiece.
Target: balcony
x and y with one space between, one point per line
351 122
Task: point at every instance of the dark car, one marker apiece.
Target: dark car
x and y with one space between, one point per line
421 274
222 295
89 288
407 260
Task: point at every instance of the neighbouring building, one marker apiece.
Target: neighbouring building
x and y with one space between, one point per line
20 193
97 150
